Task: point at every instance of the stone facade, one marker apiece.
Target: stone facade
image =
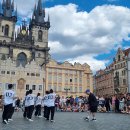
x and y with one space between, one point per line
67 79
104 82
25 53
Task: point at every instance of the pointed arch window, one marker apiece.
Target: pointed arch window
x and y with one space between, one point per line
6 30
40 34
21 59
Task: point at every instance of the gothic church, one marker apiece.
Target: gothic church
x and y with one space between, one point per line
23 55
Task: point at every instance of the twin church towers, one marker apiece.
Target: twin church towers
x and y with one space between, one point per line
30 43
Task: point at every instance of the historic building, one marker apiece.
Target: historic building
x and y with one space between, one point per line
68 79
104 81
23 55
120 71
114 79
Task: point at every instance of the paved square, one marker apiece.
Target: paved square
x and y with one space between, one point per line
70 121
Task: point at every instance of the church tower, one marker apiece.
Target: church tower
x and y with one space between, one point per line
8 18
39 31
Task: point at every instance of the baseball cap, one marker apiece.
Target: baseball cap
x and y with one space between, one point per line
87 91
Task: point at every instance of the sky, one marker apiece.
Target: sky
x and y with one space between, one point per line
84 31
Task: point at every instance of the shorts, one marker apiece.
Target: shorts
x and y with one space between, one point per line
93 109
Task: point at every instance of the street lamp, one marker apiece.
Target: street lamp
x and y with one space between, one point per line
66 89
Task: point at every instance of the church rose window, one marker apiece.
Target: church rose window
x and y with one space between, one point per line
40 33
22 59
6 30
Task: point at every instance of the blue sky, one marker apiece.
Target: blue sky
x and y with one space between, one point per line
85 31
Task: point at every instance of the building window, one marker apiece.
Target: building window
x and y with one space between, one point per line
27 86
40 33
28 74
6 85
2 28
70 80
39 55
80 89
119 57
2 72
38 75
32 74
40 87
124 81
13 72
33 87
76 89
6 30
8 72
0 86
21 59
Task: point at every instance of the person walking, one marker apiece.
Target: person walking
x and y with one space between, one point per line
51 105
93 104
8 98
38 104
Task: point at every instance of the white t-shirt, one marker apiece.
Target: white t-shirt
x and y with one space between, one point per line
51 100
45 100
8 97
30 99
26 103
38 100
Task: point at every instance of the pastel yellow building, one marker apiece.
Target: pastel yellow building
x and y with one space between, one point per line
68 79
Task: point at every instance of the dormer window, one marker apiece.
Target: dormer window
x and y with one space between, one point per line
6 33
119 57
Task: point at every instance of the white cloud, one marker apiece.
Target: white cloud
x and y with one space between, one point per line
94 63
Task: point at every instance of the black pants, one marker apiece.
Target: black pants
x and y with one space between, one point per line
11 112
107 107
38 110
45 111
30 111
25 112
7 111
52 111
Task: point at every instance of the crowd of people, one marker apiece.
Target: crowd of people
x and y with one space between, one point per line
51 102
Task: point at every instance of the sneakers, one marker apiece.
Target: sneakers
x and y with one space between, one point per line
5 122
52 121
30 120
86 118
40 116
93 120
10 119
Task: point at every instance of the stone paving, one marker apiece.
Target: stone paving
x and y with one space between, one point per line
70 121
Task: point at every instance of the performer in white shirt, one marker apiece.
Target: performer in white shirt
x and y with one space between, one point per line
45 102
30 102
51 105
8 98
25 104
38 104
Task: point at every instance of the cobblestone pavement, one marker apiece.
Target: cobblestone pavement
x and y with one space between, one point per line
70 121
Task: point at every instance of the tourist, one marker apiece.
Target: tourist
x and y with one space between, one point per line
38 103
8 98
